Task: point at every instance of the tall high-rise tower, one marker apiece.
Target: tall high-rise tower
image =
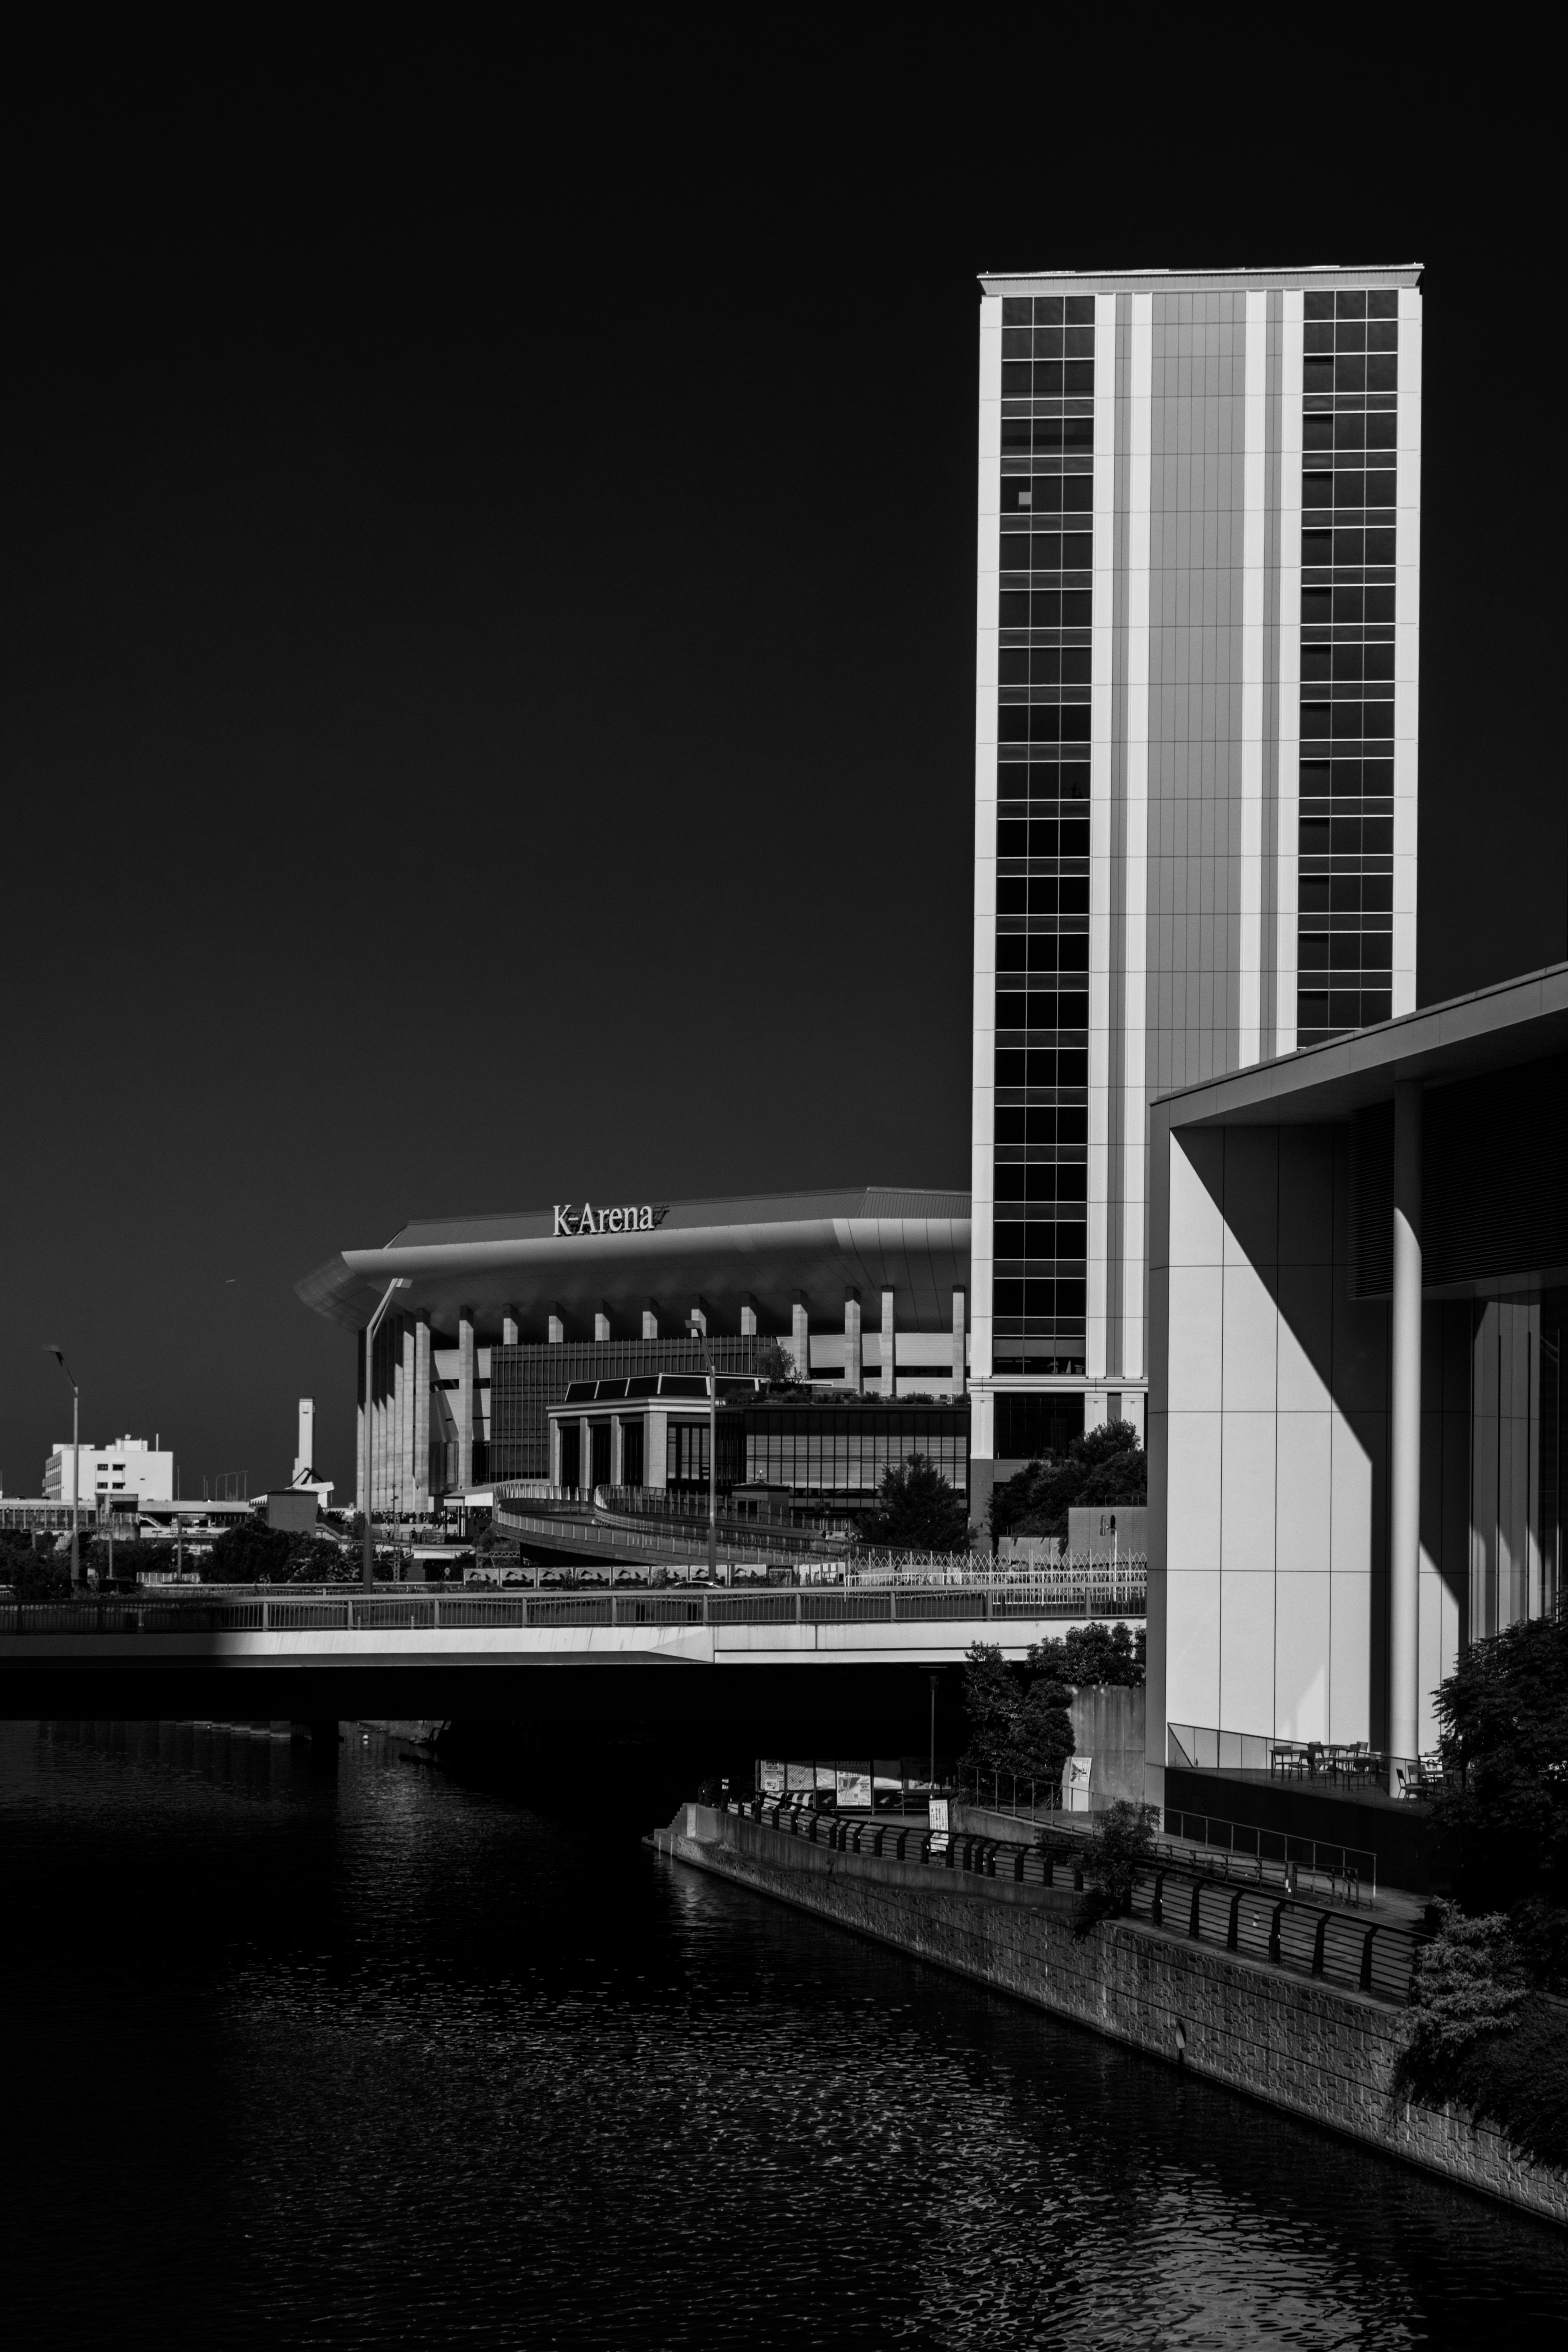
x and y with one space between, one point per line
1196 759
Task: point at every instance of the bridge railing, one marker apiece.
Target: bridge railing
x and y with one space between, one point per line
456 1612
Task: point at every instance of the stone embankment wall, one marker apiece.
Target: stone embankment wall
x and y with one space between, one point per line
1316 2050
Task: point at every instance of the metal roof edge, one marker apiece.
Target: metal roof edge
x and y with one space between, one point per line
1292 276
1483 1014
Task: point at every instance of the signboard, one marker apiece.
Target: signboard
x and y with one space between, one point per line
644 1217
770 1778
852 1789
1075 1784
941 1823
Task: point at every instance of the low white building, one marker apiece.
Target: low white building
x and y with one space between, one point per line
129 1466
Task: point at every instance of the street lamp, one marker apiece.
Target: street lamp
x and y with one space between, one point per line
76 1462
712 1474
398 1282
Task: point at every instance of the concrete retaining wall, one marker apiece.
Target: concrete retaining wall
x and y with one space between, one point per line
1318 2052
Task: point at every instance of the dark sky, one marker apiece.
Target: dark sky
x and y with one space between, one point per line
488 647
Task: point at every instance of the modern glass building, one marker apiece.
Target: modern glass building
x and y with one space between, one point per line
1196 766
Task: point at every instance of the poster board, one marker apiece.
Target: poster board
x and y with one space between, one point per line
1076 1777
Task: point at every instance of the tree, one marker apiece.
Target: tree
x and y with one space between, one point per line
1113 1854
32 1574
1503 1815
251 1552
1103 1468
916 1510
1018 1728
1094 1655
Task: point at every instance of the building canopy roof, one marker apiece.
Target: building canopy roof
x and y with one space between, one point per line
579 1259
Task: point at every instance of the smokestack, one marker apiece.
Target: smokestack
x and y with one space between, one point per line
305 1460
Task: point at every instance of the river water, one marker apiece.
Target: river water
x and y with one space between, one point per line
376 2056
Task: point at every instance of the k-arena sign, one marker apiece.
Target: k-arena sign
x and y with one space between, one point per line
645 1219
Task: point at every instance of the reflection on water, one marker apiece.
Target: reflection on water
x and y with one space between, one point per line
373 2058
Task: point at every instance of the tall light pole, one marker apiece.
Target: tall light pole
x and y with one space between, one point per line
398 1282
76 1464
712 1474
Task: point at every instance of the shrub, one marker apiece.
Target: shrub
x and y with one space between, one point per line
1116 1849
1504 1824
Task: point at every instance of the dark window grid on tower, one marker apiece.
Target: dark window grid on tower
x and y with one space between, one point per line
1046 558
1349 492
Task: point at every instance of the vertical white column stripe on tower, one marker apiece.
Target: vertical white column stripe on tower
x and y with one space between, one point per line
982 1125
1135 991
1289 782
1406 647
1100 705
1249 895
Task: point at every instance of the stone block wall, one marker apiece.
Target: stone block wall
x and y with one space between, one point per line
1321 2052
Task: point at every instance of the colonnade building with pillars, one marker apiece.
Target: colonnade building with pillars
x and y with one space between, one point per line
1359 1279
487 1321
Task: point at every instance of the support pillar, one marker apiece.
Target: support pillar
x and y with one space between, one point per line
748 1316
889 1366
601 1324
508 1331
586 1458
422 1368
650 1320
557 1328
959 1361
1405 1432
361 1451
800 1336
465 1399
854 1368
697 1322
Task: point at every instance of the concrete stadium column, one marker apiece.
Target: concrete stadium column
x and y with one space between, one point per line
554 1451
557 1328
601 1324
508 1331
618 1449
800 1336
748 1316
960 1359
421 1429
464 1398
650 1320
585 1456
697 1320
853 1373
1405 1449
656 1450
890 1365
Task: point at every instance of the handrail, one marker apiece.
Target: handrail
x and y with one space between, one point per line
1276 1927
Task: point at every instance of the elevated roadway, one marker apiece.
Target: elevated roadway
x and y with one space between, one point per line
442 1655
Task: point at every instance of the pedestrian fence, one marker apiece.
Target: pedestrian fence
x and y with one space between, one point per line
343 1609
1258 1922
1235 1850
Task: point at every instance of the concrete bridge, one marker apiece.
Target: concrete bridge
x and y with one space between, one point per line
348 1653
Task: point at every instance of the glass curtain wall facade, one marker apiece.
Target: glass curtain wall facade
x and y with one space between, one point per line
1045 668
1196 754
1349 501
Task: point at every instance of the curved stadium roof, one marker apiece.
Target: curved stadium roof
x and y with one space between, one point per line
763 1248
